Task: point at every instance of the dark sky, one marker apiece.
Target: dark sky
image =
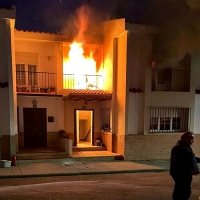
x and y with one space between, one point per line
180 17
51 15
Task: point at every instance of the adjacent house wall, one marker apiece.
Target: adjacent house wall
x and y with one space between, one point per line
44 52
154 146
8 115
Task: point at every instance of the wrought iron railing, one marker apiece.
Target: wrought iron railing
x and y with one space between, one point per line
36 82
170 80
83 81
169 119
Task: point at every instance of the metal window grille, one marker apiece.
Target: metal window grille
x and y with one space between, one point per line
169 119
105 119
170 80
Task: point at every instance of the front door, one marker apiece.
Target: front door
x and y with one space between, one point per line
35 127
84 127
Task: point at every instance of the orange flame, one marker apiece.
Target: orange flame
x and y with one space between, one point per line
80 68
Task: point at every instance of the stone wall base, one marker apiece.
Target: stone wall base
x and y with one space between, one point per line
154 147
8 146
51 139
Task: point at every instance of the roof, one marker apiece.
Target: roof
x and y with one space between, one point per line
88 95
7 13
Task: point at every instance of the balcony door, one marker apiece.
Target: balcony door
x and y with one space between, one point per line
35 127
26 75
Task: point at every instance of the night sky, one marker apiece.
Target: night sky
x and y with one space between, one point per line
52 15
182 17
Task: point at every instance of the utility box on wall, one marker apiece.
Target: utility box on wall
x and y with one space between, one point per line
50 119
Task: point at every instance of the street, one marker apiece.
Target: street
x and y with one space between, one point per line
138 186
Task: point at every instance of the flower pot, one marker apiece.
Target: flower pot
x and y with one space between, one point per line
5 163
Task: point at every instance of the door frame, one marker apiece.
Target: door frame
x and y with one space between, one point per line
75 125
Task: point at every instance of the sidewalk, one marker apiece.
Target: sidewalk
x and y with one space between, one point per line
72 168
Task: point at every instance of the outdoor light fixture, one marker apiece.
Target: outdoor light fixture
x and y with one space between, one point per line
34 102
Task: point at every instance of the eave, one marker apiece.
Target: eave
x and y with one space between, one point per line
87 95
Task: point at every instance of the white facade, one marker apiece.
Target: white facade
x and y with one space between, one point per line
126 68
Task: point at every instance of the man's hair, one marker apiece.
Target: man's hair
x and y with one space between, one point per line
186 135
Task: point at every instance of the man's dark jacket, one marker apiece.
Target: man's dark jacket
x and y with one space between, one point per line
183 160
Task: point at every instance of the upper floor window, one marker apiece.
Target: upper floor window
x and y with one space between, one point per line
21 75
26 75
32 75
169 120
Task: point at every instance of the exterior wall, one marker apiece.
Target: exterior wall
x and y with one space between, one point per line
112 29
46 53
69 117
197 114
54 106
121 89
153 147
139 77
118 144
8 115
196 62
107 140
127 64
7 144
51 140
42 50
136 113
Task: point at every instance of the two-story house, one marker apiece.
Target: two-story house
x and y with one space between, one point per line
118 94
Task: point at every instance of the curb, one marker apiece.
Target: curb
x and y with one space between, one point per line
83 173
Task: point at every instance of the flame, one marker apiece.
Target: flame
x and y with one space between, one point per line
79 71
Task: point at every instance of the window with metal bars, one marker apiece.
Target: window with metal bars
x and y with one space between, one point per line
105 119
20 75
32 78
169 119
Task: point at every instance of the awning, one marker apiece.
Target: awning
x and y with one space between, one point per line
88 95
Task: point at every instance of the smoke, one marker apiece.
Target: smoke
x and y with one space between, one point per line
84 25
82 22
193 4
179 21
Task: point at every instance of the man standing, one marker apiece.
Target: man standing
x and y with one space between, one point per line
182 166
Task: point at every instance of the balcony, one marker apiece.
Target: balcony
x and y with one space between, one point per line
76 81
170 80
36 82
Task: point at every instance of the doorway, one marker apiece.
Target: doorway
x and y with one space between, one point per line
84 128
35 127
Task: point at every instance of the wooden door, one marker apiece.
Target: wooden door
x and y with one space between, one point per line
35 127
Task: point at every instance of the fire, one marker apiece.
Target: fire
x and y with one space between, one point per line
79 71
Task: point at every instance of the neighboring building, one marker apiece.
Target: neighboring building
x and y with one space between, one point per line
136 107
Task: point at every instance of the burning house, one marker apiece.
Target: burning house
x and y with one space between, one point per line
110 91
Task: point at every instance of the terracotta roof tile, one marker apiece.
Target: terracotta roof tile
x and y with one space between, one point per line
80 94
32 31
81 91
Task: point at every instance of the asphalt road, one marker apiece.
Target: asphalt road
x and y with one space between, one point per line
133 186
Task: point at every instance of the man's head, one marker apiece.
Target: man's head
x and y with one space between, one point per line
188 138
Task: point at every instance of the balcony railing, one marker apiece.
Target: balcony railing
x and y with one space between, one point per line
170 80
36 82
72 81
